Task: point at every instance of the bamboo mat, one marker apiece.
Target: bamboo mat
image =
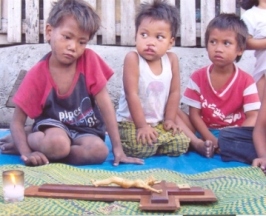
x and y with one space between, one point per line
239 190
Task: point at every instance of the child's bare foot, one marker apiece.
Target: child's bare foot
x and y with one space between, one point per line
204 148
7 146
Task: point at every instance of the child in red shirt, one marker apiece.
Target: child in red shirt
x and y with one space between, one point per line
221 97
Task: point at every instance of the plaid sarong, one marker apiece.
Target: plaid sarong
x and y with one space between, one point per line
166 144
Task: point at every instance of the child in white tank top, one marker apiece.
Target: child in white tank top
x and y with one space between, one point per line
149 103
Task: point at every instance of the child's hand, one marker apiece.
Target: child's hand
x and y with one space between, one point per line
170 125
35 159
260 162
120 157
147 135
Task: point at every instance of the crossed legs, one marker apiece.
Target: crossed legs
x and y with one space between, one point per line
55 144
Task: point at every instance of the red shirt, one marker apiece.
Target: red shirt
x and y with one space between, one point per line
38 94
226 107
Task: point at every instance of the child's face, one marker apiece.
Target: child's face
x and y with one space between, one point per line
68 41
222 47
153 39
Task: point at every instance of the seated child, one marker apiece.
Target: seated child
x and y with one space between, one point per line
221 97
65 93
147 114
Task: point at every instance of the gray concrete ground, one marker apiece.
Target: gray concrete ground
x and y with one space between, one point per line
15 58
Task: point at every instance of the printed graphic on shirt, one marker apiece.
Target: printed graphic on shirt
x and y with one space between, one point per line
217 113
83 115
151 98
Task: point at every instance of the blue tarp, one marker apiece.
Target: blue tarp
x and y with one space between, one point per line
189 163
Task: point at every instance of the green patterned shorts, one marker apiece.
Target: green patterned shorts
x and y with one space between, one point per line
167 144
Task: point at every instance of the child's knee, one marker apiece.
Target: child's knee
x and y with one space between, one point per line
93 151
174 146
100 157
101 152
134 149
56 147
130 145
96 157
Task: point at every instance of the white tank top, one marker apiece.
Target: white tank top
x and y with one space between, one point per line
153 92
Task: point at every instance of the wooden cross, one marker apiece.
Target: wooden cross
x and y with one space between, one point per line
168 200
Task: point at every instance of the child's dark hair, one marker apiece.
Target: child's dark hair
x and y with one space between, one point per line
86 17
247 4
229 21
159 10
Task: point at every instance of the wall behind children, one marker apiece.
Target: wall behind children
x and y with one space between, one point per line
22 42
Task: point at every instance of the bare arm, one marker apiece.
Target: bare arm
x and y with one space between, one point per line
259 133
174 96
108 113
251 117
18 132
200 126
256 43
172 105
131 86
259 136
32 158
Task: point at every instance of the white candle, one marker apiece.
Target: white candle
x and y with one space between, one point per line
13 185
13 193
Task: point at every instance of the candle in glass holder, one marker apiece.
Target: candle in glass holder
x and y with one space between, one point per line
13 185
